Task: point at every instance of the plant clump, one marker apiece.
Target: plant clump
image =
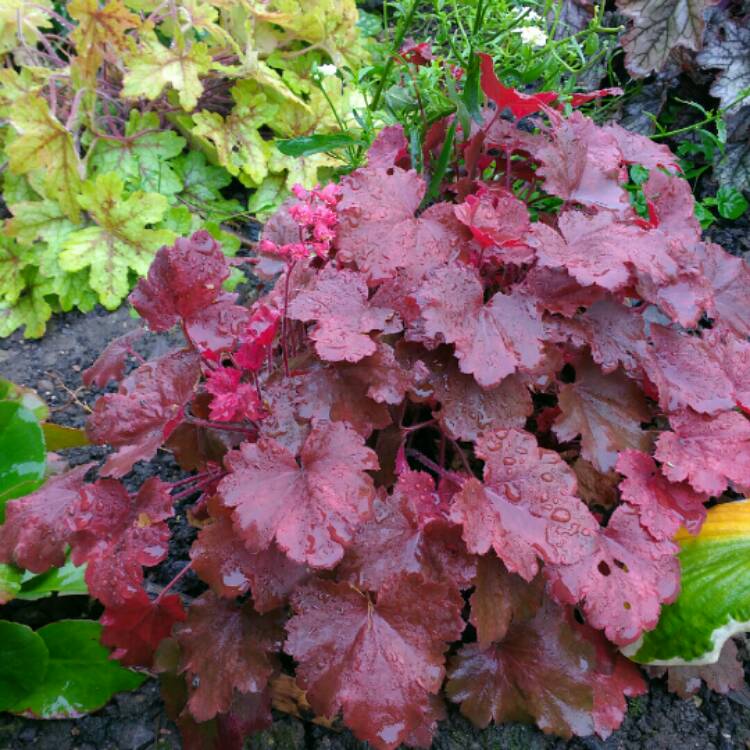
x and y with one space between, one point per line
405 445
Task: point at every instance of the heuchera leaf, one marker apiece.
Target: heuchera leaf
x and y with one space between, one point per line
724 675
500 599
338 303
582 163
154 66
663 506
223 561
623 581
183 279
118 534
44 142
466 409
136 627
226 647
409 533
659 27
707 451
493 339
36 531
527 507
110 364
519 104
99 29
606 411
311 510
389 148
119 241
378 230
145 410
379 661
544 670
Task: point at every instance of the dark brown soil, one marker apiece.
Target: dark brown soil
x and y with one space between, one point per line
136 721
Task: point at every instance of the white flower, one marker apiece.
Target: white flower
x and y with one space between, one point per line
528 15
532 35
327 69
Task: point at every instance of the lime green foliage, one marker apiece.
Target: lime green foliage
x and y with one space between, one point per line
149 121
59 671
714 601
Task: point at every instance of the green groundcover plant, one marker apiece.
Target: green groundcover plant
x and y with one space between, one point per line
445 454
124 124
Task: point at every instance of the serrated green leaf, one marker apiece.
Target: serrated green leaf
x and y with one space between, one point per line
32 16
39 220
268 197
13 260
141 158
68 580
23 662
304 170
22 453
154 66
31 310
43 142
714 600
80 677
238 144
120 242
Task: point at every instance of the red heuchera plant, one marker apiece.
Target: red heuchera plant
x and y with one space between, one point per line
415 438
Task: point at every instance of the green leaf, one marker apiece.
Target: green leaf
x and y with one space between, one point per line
22 453
638 174
714 601
268 197
704 214
141 158
730 202
23 662
39 220
154 66
442 164
30 310
67 580
58 437
315 144
10 582
80 676
120 242
13 260
202 183
44 143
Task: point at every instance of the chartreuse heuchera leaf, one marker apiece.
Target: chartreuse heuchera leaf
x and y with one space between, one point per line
79 676
22 452
714 602
101 173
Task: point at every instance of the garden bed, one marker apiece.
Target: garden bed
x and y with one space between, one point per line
137 721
